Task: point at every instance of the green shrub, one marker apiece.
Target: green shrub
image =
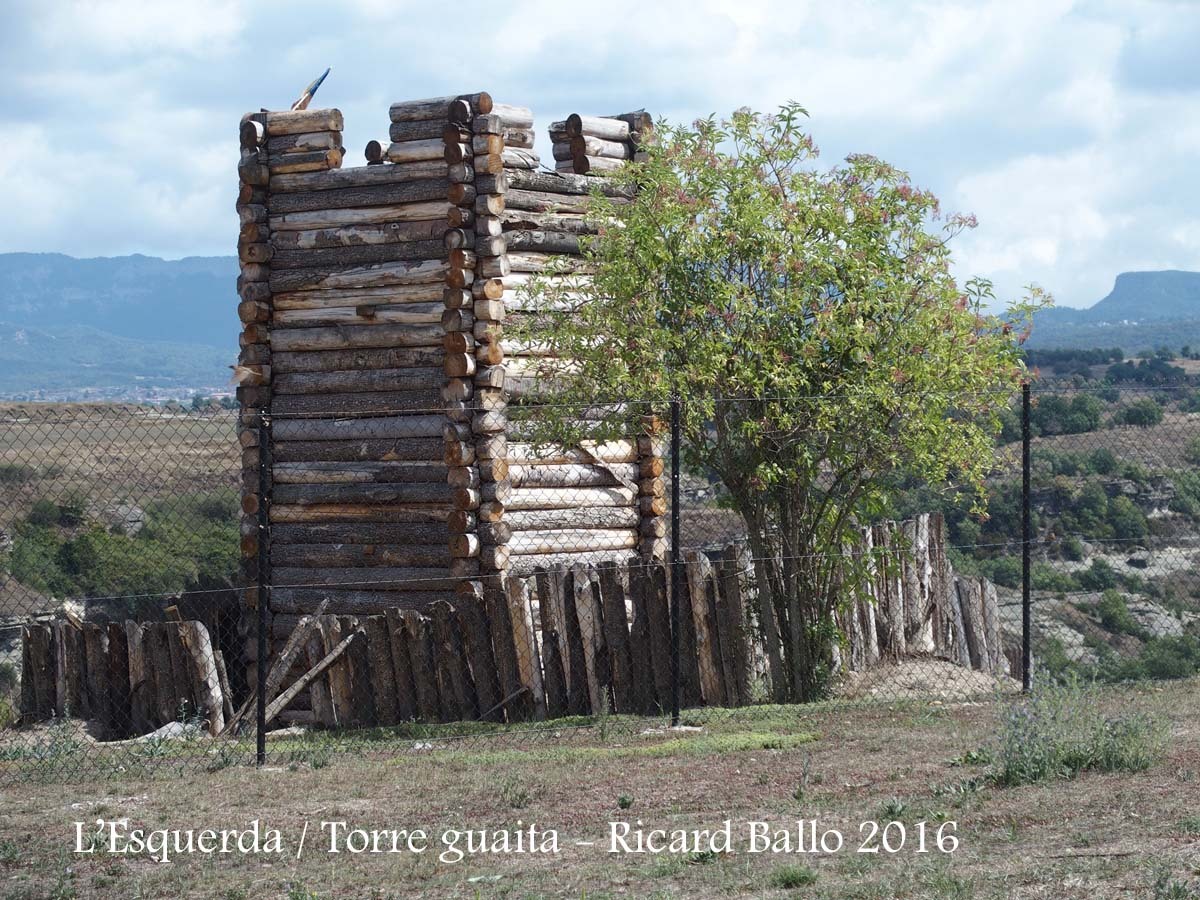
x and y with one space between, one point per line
1103 461
43 513
1142 413
1115 615
1059 731
16 473
186 541
1044 577
1099 576
789 877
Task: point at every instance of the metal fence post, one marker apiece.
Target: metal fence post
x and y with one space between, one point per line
264 582
1026 539
676 567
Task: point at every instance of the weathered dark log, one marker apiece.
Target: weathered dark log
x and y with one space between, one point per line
400 492
379 358
419 129
358 472
542 202
360 675
142 699
381 578
315 161
385 194
339 673
325 258
367 215
549 588
358 512
365 314
430 534
419 449
371 276
437 107
300 340
360 429
381 380
382 671
613 596
304 142
117 679
419 634
296 601
363 176
355 555
454 678
402 677
508 670
99 691
477 641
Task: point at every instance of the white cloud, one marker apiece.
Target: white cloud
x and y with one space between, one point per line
1069 127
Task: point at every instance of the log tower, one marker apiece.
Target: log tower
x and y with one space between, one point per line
373 302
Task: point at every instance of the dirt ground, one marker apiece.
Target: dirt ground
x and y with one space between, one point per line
1094 837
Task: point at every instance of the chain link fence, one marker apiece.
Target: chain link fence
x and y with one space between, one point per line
641 584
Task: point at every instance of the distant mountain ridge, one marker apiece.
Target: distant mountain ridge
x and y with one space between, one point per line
139 327
1143 311
191 300
127 327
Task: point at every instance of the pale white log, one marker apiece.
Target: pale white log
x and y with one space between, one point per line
597 126
568 541
566 498
302 121
416 151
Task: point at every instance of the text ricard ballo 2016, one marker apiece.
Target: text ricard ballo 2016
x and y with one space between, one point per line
120 837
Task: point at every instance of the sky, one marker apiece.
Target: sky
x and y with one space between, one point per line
1070 128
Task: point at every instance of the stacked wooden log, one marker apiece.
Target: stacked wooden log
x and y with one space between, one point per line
275 147
358 484
596 145
389 452
591 503
127 679
476 444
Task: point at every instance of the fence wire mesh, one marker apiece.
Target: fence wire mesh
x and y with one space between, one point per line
433 576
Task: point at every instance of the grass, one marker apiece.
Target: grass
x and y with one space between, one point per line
789 878
1053 837
1061 731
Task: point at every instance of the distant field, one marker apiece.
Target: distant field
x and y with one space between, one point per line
105 500
1161 446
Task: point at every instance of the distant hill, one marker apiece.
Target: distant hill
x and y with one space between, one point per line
1144 310
115 327
77 362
